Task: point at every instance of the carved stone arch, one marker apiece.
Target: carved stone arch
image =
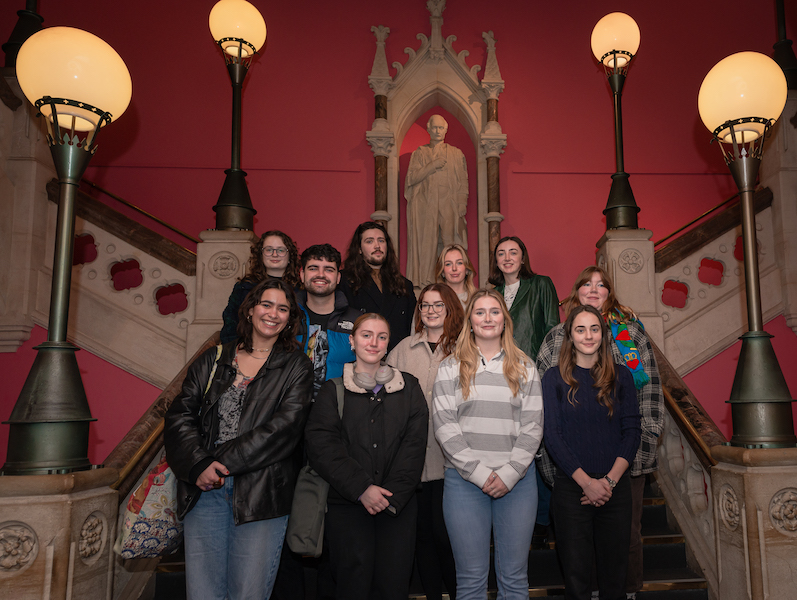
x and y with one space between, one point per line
436 75
436 93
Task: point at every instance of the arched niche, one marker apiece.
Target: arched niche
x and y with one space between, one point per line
436 75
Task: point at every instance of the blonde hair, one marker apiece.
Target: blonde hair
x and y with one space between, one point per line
466 352
470 270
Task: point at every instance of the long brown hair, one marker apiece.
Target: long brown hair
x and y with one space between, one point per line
358 271
287 337
455 316
256 268
467 354
470 270
496 275
611 308
602 371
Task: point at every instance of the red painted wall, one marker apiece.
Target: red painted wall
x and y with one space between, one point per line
116 398
307 105
712 382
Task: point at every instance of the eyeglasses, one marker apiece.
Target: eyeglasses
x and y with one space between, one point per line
436 307
272 251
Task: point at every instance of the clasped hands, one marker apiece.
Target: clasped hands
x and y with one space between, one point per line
494 487
375 499
598 492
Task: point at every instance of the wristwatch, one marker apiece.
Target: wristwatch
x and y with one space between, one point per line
611 481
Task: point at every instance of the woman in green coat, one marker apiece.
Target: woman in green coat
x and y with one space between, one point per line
534 308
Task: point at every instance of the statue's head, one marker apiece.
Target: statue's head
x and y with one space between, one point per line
437 128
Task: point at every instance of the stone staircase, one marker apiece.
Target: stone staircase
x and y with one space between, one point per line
666 571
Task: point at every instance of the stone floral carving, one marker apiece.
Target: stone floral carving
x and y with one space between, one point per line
92 536
224 265
18 547
729 508
631 261
783 511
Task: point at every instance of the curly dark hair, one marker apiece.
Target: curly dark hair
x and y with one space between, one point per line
358 271
287 337
496 275
256 268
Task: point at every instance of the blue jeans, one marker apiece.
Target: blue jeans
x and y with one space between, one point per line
225 560
470 515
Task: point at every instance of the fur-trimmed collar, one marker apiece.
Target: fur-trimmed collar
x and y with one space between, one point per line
394 385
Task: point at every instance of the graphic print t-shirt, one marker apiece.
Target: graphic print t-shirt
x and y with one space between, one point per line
318 347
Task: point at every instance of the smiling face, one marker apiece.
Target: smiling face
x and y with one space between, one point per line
487 319
454 269
275 256
509 258
370 342
593 292
269 317
586 335
431 302
373 246
320 277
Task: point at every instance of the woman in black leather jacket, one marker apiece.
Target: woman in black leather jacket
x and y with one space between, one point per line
234 445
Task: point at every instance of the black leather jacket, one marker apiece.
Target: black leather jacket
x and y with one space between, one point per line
266 456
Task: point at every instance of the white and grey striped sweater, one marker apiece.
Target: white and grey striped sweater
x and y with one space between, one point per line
490 431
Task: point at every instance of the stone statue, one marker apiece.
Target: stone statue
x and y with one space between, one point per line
436 190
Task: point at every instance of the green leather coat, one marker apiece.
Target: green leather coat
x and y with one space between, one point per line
534 312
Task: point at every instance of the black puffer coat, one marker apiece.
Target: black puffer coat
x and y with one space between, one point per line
266 456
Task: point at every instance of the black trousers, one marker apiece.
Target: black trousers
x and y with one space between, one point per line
433 552
371 556
588 533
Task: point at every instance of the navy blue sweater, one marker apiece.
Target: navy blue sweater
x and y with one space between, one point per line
582 434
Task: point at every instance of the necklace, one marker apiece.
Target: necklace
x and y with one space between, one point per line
261 349
266 350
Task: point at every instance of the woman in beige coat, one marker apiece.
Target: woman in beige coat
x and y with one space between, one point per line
438 321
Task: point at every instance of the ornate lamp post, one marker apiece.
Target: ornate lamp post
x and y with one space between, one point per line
740 99
79 84
615 41
240 31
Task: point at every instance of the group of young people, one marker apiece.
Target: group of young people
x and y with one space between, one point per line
424 417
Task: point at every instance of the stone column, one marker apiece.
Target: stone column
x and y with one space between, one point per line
221 259
57 534
493 142
380 137
628 256
755 506
779 173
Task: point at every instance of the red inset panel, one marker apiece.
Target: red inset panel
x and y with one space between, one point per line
674 293
126 275
738 249
171 299
85 249
710 271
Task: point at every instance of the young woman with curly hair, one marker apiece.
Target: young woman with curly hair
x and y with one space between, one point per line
273 255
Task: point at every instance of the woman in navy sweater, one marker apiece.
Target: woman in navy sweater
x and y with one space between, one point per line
592 431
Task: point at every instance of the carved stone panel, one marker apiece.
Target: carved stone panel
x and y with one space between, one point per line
19 547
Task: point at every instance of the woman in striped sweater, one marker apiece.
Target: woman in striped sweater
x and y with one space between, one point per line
487 416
